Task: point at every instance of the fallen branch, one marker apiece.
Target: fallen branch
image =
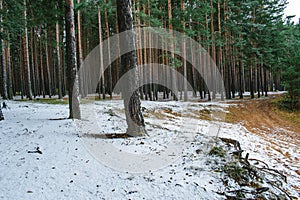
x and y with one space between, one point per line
36 151
281 190
253 159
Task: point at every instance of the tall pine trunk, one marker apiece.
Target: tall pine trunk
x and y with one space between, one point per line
72 76
32 64
26 56
134 117
41 65
213 48
102 84
185 96
107 31
36 65
9 73
172 48
3 63
58 60
48 66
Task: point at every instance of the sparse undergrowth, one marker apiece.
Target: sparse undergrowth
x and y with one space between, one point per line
246 178
285 103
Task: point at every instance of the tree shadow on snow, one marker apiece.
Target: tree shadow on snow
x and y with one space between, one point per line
107 136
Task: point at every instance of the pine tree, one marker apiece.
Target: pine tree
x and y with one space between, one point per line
72 76
134 117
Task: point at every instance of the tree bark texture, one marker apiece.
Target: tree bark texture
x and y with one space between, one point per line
72 76
134 117
26 56
3 62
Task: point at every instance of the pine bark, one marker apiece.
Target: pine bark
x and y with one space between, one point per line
9 73
58 61
72 76
48 66
102 84
134 117
107 34
36 69
213 48
172 48
26 56
32 62
3 63
41 66
185 96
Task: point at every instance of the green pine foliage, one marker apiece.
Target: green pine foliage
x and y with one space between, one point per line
254 36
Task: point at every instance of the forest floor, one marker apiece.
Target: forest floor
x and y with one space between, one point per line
46 156
280 128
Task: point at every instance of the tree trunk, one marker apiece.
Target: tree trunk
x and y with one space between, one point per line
3 63
41 65
185 97
58 61
9 73
48 66
26 56
118 60
102 84
146 75
72 76
80 52
213 48
139 46
134 117
221 59
265 82
174 78
251 77
80 55
1 115
241 80
36 69
32 62
150 55
107 31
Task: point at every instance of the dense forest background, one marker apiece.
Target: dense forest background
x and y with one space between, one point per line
254 47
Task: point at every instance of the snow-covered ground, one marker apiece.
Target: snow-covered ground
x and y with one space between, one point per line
45 156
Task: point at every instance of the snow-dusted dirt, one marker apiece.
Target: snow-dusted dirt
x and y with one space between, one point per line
45 156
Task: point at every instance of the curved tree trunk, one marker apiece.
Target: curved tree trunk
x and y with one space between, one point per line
134 117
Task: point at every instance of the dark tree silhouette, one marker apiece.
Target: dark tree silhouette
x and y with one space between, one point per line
1 115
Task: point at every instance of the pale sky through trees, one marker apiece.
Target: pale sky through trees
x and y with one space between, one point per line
293 8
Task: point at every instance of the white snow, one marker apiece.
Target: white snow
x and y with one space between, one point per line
76 165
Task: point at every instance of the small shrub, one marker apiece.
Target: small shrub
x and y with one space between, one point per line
236 172
217 151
